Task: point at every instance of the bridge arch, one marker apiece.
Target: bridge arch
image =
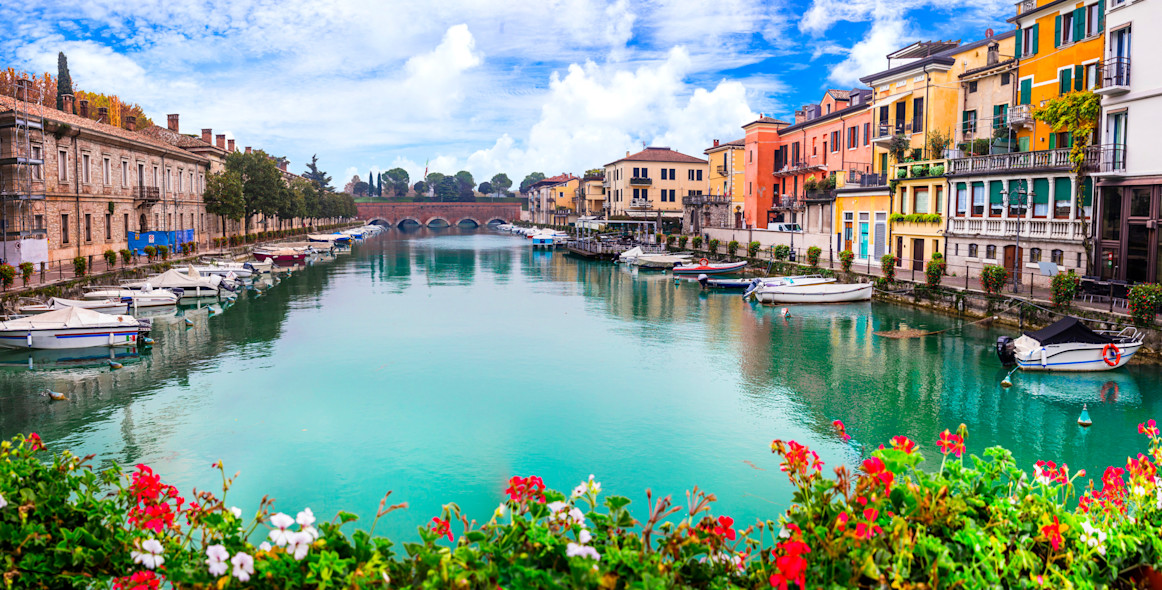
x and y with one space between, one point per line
497 221
379 221
407 220
435 220
469 221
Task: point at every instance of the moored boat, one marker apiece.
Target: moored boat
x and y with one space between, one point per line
1069 345
127 304
191 283
723 284
281 256
817 292
72 327
705 267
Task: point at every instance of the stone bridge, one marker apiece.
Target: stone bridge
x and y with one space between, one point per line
437 214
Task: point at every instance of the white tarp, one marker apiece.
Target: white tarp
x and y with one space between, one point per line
71 317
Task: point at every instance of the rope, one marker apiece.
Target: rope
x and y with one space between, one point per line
920 333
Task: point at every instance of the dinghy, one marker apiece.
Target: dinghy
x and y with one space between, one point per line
814 293
128 304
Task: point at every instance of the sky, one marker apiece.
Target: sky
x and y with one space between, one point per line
486 86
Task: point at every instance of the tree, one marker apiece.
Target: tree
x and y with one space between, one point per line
464 185
397 181
321 179
485 188
223 196
349 188
501 183
434 179
360 189
447 189
370 184
1077 113
530 180
64 82
421 189
261 183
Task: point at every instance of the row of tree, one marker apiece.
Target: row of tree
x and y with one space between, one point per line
457 187
49 90
253 185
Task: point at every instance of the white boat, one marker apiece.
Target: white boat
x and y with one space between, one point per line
72 327
1069 345
190 282
130 303
240 270
146 296
815 293
798 280
660 261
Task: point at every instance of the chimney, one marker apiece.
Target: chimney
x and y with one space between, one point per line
103 114
84 108
67 103
716 143
207 135
248 149
131 122
221 141
230 145
172 122
282 166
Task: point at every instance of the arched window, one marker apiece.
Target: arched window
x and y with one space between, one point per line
141 225
972 250
990 251
1058 257
1035 255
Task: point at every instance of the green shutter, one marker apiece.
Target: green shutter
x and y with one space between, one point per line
1057 31
1040 190
1068 139
1101 15
1064 80
995 188
1023 144
1026 91
1036 37
1064 188
1078 24
1020 34
964 122
1087 192
1052 140
1078 77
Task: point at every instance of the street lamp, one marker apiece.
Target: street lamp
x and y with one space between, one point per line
1020 195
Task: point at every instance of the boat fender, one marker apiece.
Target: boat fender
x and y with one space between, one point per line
115 365
1044 357
29 339
56 396
189 322
1115 358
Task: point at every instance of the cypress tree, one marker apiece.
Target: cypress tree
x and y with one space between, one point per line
64 82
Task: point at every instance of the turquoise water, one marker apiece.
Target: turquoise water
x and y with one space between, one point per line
437 364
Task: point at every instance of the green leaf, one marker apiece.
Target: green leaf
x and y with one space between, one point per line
346 517
617 502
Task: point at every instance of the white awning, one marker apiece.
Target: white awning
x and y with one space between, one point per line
889 99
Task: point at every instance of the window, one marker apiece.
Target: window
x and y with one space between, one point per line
86 164
1035 255
697 175
1064 32
664 173
155 178
1026 91
1062 197
38 222
37 170
866 133
88 227
125 227
168 180
852 137
835 141
673 176
972 250
990 252
1057 257
961 199
978 198
1090 76
62 166
106 171
108 226
920 200
968 123
1092 19
1065 80
971 87
181 190
828 108
1027 40
918 115
64 228
1006 78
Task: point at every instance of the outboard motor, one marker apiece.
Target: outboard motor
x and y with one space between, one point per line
754 284
703 280
1006 351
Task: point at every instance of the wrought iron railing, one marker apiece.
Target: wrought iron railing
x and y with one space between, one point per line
1058 158
640 181
1115 72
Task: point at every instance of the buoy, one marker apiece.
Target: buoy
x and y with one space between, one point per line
786 312
57 396
1083 419
115 365
189 322
1007 382
146 340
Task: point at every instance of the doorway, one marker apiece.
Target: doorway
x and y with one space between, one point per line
1013 258
918 254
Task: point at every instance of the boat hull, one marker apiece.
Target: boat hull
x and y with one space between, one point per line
711 269
821 293
61 338
280 259
1073 357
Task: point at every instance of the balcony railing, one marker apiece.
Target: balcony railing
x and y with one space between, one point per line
640 204
782 202
1049 229
1021 116
866 179
698 200
1058 158
819 195
146 195
640 181
1115 76
797 166
721 170
1108 159
888 129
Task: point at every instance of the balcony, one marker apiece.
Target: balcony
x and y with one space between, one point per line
640 204
721 170
920 169
819 195
699 200
1033 229
789 202
1025 6
1107 160
1115 77
798 167
1001 163
145 196
1021 116
639 181
886 130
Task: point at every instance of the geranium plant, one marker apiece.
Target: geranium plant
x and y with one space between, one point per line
813 254
888 267
993 278
1064 287
1144 299
846 258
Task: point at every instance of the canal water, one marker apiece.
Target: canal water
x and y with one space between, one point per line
436 364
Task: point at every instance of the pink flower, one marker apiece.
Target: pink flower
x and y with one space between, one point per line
442 527
243 566
950 443
839 427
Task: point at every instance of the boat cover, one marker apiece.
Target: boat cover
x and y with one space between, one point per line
1066 330
70 317
176 279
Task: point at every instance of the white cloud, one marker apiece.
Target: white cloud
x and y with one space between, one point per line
869 55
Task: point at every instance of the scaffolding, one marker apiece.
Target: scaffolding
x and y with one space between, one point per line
22 181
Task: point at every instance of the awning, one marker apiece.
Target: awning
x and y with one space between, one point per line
891 98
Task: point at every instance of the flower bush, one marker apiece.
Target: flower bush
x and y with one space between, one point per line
993 278
782 252
888 266
110 258
126 256
163 252
79 266
971 522
846 257
150 252
712 245
935 270
26 270
1144 300
732 247
682 241
813 254
7 275
670 239
752 249
1064 287
697 242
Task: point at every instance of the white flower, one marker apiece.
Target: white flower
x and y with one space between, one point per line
499 512
217 555
584 536
280 535
578 491
150 556
575 550
1139 491
1093 537
264 546
784 533
586 487
305 518
3 502
243 566
236 511
298 544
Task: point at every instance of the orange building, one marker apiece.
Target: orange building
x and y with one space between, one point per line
761 143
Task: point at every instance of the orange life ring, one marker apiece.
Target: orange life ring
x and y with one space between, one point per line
703 261
1105 354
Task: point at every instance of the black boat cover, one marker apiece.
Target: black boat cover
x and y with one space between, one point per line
1066 330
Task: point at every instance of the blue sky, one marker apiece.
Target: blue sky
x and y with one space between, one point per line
484 85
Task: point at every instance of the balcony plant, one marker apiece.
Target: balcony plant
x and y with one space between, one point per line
732 247
697 242
811 184
110 258
79 266
670 239
126 256
813 254
26 269
896 217
1144 300
846 258
752 249
936 170
888 267
993 278
935 270
938 141
902 173
712 245
7 275
828 182
1064 287
682 239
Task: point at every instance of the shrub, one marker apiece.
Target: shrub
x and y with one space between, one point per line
110 258
26 269
902 173
782 252
1144 299
752 249
813 254
993 278
712 245
937 170
682 242
163 251
126 256
810 184
7 275
150 252
670 239
79 266
1064 287
732 247
697 241
896 217
845 259
919 170
935 270
888 266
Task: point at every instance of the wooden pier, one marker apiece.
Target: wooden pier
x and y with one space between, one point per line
607 250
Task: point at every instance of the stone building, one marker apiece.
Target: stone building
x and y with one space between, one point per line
646 185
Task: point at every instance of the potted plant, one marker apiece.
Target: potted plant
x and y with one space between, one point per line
752 249
813 254
712 245
126 256
163 252
993 278
7 275
697 242
935 270
79 266
150 252
888 267
782 251
846 258
26 270
110 258
732 247
1144 299
682 242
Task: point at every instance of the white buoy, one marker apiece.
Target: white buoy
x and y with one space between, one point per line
786 312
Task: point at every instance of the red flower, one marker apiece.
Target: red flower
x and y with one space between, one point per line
869 529
1053 532
142 580
843 435
152 508
724 527
1049 472
950 443
800 461
34 442
442 527
841 521
876 469
525 489
791 566
1141 468
1148 429
902 443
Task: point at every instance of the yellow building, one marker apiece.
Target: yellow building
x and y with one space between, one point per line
918 209
651 183
591 193
727 174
